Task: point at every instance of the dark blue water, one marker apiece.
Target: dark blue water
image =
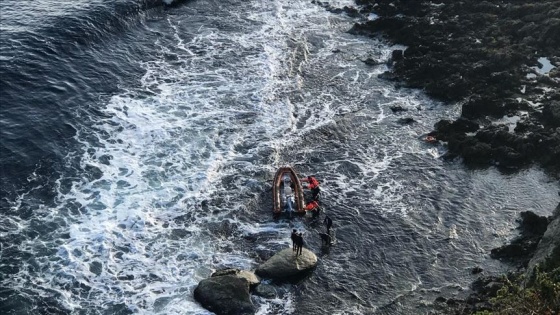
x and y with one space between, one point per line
137 142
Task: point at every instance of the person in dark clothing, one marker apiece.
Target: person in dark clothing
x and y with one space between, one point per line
294 238
299 244
325 239
328 223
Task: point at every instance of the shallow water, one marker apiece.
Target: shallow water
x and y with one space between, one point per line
139 144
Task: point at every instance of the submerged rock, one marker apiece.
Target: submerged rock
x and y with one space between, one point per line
227 292
406 121
266 290
286 266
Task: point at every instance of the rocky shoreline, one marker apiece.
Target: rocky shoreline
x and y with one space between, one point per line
498 60
538 243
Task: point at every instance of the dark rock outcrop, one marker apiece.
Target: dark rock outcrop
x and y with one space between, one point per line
547 254
481 54
406 121
227 292
522 248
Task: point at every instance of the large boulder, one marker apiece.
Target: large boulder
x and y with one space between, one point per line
225 295
286 266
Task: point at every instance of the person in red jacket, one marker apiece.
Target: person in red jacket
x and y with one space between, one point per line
313 206
313 184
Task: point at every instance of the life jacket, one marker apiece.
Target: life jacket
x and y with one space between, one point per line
313 183
312 205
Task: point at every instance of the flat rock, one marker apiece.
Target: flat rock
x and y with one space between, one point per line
248 275
285 265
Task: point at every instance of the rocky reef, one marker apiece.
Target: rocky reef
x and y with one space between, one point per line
228 291
538 244
499 60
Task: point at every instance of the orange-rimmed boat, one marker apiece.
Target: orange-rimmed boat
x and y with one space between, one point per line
287 192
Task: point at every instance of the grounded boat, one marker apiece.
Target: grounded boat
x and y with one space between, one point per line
287 192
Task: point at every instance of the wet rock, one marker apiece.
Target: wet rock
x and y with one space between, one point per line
508 157
479 53
397 55
389 76
225 295
177 234
551 113
372 62
446 129
485 287
286 266
266 290
482 106
96 267
476 270
492 288
547 254
533 224
247 275
406 121
521 249
472 150
397 109
126 277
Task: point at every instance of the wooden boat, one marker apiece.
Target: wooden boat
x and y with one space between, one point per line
287 192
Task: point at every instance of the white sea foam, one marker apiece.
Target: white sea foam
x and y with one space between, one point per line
158 157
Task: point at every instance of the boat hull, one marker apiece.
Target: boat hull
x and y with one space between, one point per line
283 200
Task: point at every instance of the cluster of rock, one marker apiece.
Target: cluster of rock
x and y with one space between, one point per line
484 54
228 291
537 244
520 250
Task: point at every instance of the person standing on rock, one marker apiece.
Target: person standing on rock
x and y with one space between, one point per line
299 244
294 240
328 223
